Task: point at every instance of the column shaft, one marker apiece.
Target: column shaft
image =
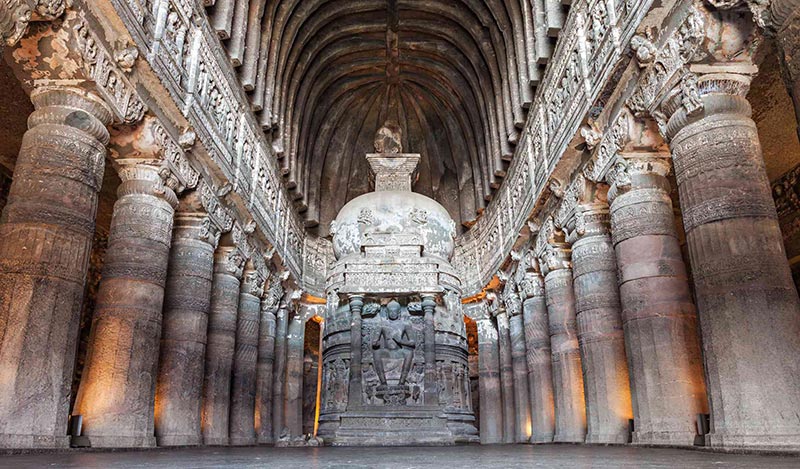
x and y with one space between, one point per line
220 345
602 343
295 340
489 383
266 360
354 388
279 372
506 377
658 315
45 240
540 368
520 372
567 374
187 300
243 384
117 390
747 302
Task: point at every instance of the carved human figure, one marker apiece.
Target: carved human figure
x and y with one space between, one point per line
395 340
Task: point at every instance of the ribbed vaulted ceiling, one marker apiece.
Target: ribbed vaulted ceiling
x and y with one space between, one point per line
324 75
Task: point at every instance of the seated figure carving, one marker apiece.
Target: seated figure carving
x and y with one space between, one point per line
395 340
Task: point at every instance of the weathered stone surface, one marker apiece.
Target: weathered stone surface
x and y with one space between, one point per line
600 334
739 269
228 263
117 390
45 240
266 361
243 378
540 368
570 410
489 381
658 316
279 370
506 376
522 405
187 300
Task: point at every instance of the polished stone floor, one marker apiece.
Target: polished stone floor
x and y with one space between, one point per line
459 457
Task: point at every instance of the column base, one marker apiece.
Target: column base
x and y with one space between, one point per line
773 442
242 441
265 441
607 438
15 441
569 438
666 438
216 441
541 438
179 440
103 441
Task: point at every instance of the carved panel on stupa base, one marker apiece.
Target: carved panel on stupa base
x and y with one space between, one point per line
393 363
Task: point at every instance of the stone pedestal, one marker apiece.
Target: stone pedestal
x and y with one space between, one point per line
747 302
658 316
506 376
264 367
519 364
539 361
489 382
228 263
570 408
187 300
597 305
117 390
279 370
243 382
45 239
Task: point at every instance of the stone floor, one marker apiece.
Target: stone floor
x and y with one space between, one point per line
461 457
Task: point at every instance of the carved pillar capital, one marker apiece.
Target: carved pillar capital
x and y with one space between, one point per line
592 220
636 170
252 280
718 90
71 106
146 178
229 260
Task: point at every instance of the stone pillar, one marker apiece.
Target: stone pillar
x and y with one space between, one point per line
295 341
748 304
506 374
187 300
516 331
785 19
658 316
602 342
266 361
431 390
354 388
243 384
45 239
570 407
228 263
279 371
539 361
117 390
489 382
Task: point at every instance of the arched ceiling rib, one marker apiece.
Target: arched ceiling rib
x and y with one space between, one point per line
324 75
